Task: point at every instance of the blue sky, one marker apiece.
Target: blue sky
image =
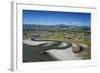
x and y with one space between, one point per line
54 18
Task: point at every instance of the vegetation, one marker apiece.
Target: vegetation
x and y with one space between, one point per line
73 34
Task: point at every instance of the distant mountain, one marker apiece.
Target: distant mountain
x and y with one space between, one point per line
56 27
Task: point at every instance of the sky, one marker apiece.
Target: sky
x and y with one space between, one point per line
55 18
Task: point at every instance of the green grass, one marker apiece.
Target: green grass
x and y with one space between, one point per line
61 36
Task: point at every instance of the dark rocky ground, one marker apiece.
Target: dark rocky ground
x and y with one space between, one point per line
35 54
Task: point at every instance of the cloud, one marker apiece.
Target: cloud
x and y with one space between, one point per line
77 23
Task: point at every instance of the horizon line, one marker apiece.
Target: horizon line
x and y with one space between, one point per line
57 24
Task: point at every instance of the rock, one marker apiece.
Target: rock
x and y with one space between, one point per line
76 48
